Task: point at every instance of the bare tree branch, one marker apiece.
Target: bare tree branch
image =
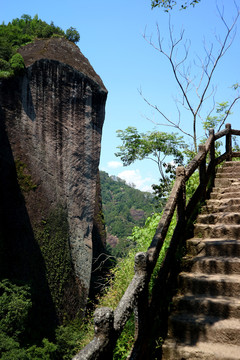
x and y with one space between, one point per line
182 75
172 124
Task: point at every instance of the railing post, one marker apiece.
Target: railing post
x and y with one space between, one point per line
229 142
212 148
212 157
101 347
181 205
202 171
141 306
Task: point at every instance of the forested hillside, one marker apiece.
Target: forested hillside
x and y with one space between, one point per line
124 207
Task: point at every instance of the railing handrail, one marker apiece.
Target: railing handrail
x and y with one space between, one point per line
108 323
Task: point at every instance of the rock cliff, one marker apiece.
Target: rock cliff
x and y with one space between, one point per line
51 123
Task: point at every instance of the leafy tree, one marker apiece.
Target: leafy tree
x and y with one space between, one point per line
17 63
15 303
169 4
156 146
72 35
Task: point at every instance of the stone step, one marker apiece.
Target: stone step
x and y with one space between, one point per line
228 194
231 163
217 231
200 351
223 202
205 323
228 307
228 169
228 175
214 285
225 182
224 207
229 189
219 218
213 247
212 265
191 328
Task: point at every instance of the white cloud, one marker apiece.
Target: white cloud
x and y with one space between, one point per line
114 164
134 177
147 188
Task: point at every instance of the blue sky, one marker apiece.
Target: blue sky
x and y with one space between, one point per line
112 39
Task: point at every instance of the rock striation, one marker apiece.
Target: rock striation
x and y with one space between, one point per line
51 121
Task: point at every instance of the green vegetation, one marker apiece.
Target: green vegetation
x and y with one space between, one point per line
169 4
72 35
15 315
24 179
165 149
124 207
53 239
20 32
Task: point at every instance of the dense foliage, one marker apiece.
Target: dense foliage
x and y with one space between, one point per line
124 207
15 315
21 31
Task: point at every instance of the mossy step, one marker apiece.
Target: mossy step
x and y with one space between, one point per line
226 307
213 247
217 231
214 285
200 351
212 265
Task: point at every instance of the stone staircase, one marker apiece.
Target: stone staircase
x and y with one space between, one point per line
205 322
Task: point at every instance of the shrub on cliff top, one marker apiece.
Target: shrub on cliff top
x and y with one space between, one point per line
21 31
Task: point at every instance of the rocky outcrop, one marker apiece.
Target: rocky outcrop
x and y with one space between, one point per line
51 121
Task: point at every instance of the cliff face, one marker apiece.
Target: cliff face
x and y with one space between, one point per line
51 121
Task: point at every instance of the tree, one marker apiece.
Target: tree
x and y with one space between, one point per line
187 82
169 4
72 35
156 146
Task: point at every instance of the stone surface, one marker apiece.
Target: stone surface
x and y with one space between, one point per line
51 119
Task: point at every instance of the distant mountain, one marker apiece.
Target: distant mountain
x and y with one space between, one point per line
124 207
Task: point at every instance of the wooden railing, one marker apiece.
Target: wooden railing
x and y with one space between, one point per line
150 312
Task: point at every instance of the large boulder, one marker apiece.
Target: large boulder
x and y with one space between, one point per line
51 119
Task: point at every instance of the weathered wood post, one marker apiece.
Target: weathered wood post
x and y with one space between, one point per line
212 157
181 203
141 306
101 347
212 148
202 172
229 142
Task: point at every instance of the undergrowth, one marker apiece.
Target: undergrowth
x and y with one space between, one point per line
72 337
123 273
